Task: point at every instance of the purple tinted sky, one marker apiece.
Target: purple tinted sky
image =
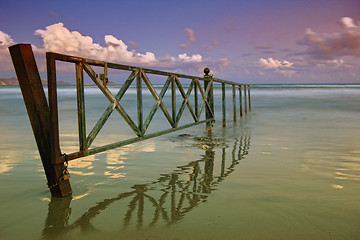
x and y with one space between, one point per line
245 41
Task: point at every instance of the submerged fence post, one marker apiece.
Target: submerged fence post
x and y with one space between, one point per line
210 100
245 101
249 98
39 115
234 101
223 104
240 101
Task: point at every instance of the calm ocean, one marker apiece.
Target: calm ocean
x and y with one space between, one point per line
290 169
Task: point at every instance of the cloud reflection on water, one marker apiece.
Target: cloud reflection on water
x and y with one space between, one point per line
339 163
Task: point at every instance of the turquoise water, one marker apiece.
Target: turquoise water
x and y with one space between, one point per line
290 169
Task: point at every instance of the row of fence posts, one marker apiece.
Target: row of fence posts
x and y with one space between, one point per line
242 88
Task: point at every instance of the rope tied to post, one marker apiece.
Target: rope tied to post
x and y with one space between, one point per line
65 175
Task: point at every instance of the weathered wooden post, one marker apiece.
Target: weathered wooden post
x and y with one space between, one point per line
196 99
80 94
209 110
245 101
139 102
249 98
240 101
223 104
39 115
234 101
173 99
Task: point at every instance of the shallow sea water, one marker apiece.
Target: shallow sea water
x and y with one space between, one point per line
290 169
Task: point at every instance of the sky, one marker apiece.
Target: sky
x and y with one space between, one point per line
255 41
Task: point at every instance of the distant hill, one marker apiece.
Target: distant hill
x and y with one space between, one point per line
14 81
10 81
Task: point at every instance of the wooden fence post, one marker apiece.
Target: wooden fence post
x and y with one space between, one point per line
240 101
209 113
245 100
223 103
249 98
39 115
234 101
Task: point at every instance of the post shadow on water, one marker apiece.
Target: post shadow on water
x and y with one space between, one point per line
170 197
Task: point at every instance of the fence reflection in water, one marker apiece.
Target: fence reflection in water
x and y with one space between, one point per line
164 201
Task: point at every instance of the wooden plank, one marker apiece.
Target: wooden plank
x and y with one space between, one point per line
39 114
206 98
234 101
139 102
240 102
245 101
80 106
173 98
249 98
68 58
61 188
196 106
223 97
53 107
73 156
211 100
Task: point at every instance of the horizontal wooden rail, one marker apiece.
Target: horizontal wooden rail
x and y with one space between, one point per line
68 58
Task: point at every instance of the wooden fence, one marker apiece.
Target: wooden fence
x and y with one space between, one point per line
43 115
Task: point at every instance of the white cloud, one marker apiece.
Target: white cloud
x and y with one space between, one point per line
271 63
336 62
58 38
5 40
185 58
280 66
331 46
347 22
